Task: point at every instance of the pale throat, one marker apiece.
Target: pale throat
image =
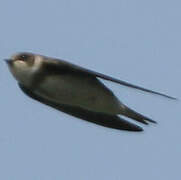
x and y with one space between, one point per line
25 73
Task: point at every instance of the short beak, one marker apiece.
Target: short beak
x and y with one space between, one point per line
8 61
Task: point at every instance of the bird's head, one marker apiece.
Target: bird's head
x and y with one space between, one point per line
23 66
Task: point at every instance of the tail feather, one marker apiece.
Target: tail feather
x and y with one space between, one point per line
136 116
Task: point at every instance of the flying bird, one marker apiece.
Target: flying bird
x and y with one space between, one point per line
74 90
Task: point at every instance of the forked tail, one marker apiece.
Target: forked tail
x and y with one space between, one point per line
136 116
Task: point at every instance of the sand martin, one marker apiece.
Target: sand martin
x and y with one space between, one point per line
74 90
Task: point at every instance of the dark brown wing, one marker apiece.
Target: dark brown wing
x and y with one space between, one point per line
64 66
111 121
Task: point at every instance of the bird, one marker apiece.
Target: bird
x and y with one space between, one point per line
75 90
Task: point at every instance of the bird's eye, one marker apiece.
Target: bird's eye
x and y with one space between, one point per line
23 57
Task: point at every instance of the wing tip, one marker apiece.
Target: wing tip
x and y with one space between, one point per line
170 97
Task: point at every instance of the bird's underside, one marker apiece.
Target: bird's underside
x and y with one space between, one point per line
104 119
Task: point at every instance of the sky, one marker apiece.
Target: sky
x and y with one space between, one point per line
136 41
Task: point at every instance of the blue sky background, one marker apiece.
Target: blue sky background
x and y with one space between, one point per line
137 41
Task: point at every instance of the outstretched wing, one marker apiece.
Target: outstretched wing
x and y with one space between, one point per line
111 121
64 66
